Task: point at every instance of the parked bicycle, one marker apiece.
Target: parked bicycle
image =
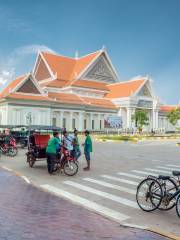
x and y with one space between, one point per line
161 193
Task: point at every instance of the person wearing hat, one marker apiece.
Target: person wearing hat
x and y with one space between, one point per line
87 149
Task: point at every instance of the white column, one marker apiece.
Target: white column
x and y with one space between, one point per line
98 124
129 120
70 121
80 121
155 119
90 120
61 114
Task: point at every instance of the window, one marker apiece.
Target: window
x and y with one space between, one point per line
64 123
92 124
54 121
100 124
73 123
85 125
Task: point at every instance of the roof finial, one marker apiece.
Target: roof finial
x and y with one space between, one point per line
76 54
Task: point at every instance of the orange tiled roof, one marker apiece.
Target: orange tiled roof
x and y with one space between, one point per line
124 89
27 97
58 83
66 98
90 84
167 108
75 99
12 85
65 67
99 102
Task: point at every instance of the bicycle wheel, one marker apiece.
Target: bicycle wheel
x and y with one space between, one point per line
70 168
178 205
169 187
149 194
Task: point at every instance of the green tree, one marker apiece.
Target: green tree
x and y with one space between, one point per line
174 116
141 119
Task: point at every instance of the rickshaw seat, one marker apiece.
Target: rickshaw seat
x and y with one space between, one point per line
41 140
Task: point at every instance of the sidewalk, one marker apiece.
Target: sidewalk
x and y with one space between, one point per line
28 213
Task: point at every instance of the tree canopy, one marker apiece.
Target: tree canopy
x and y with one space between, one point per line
141 119
174 116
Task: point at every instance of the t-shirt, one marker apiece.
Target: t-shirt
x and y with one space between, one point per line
68 142
52 145
88 144
76 143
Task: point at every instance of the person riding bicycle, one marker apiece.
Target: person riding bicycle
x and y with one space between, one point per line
51 151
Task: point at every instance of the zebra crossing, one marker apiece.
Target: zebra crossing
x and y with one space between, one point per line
110 194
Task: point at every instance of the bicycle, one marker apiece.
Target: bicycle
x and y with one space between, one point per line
157 196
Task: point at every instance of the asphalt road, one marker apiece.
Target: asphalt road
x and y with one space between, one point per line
109 188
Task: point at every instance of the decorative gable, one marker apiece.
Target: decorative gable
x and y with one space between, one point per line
41 71
28 87
144 92
101 70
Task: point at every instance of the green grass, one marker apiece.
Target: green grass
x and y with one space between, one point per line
133 138
118 138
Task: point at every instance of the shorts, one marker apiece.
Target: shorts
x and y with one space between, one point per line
87 156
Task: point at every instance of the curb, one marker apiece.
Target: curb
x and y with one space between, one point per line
163 233
18 174
151 229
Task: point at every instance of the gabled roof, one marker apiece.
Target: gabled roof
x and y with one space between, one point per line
167 108
31 97
67 68
13 84
124 89
57 83
90 84
75 99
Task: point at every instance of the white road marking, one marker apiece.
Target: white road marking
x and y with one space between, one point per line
26 179
171 165
129 175
6 168
159 171
144 173
120 180
157 161
112 197
109 185
107 212
166 168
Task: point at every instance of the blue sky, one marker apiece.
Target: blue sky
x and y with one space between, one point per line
142 37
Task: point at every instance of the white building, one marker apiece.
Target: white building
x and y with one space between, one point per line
77 93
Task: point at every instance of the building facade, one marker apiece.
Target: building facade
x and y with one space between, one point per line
80 92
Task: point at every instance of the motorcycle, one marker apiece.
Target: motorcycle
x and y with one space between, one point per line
9 149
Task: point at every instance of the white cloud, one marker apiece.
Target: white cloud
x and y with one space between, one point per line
31 49
10 65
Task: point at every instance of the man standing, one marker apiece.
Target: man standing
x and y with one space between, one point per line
77 151
87 149
51 151
68 142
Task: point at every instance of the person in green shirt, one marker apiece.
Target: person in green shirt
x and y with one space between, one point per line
76 145
51 151
87 149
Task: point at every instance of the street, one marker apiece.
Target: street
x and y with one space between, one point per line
109 188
